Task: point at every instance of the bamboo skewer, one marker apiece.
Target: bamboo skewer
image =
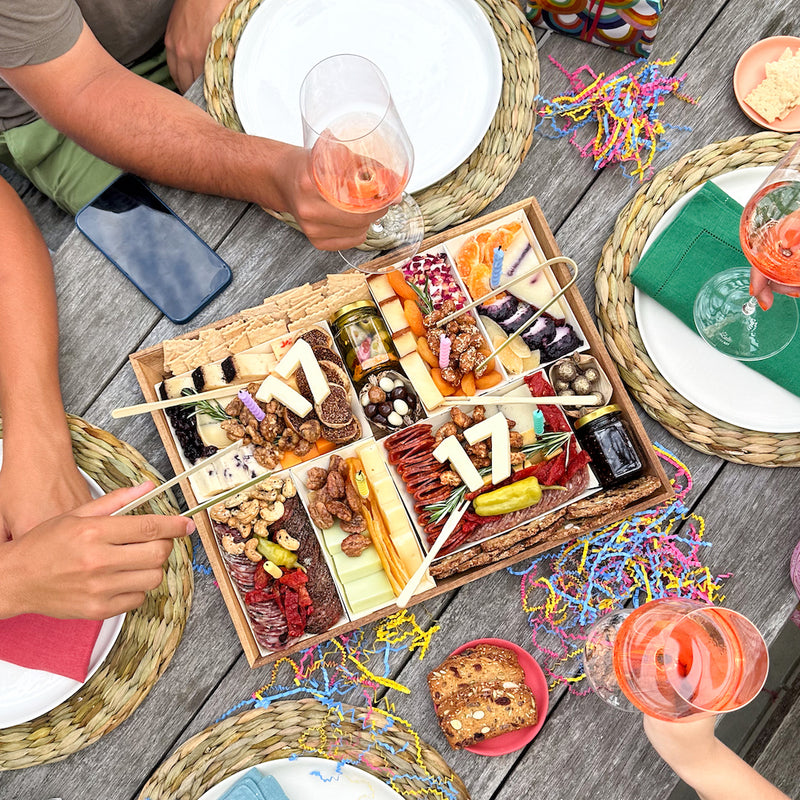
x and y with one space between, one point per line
225 495
498 400
188 399
145 498
489 295
451 524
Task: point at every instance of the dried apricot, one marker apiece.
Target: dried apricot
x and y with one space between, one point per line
414 317
441 384
400 285
488 380
428 356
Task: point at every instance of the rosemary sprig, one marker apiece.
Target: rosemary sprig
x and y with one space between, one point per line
549 443
425 299
210 408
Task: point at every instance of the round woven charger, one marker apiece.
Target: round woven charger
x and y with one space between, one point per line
617 318
267 734
146 643
467 190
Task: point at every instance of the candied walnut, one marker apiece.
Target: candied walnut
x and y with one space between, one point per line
452 328
450 478
479 462
316 477
517 458
478 414
337 464
267 456
468 360
355 544
311 430
246 418
234 408
515 439
253 388
448 429
320 515
462 343
303 448
288 440
254 434
340 510
356 525
476 339
451 376
335 484
352 496
479 449
467 321
434 342
432 319
272 407
448 307
233 429
271 426
460 418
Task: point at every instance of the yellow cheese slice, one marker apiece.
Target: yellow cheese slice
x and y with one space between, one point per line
380 288
252 366
405 343
394 316
352 569
369 592
173 387
417 372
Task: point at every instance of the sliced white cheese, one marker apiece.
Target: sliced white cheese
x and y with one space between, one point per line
226 472
520 256
394 316
380 288
417 372
451 450
301 355
405 343
210 432
496 429
272 388
213 377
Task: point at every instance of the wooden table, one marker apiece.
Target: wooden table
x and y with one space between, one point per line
586 749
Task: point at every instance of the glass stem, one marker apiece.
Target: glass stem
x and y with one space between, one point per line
749 308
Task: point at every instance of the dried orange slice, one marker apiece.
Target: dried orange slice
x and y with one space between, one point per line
483 241
468 257
479 281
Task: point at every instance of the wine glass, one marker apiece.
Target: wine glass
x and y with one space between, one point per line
725 314
675 659
360 154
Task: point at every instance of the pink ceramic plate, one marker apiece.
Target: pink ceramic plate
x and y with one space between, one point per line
534 677
750 72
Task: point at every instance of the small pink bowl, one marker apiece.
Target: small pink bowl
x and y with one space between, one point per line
537 683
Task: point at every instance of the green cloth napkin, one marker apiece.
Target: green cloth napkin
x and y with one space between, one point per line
701 241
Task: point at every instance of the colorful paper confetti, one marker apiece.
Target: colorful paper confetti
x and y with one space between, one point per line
625 107
647 556
330 672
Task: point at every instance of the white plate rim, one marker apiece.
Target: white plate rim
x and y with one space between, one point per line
278 764
497 78
645 307
64 687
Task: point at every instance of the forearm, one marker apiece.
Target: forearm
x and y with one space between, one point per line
30 396
144 128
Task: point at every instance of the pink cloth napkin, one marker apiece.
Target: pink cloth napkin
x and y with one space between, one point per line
61 646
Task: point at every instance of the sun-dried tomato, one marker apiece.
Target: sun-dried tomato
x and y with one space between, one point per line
295 618
257 596
294 579
261 578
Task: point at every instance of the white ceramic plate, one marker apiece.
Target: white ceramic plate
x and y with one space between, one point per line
27 693
719 385
304 778
441 60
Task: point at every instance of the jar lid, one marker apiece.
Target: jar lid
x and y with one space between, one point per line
352 307
596 414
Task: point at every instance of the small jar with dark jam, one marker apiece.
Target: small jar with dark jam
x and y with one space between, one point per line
605 437
363 339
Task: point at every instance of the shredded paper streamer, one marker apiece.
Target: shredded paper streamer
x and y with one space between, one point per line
624 108
656 553
356 663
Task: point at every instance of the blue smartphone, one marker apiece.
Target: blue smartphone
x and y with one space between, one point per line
154 248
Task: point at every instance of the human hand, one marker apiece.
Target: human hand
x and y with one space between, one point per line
187 38
87 564
685 746
327 227
36 484
764 289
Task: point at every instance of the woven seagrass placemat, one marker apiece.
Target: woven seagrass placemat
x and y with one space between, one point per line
146 643
617 317
469 188
289 727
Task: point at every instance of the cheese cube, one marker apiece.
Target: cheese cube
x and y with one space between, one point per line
369 592
294 401
417 372
380 288
252 366
405 343
173 387
395 316
301 355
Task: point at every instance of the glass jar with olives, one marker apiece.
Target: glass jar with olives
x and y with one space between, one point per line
389 402
363 339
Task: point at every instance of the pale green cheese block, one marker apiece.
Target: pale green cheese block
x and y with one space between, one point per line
350 569
369 592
